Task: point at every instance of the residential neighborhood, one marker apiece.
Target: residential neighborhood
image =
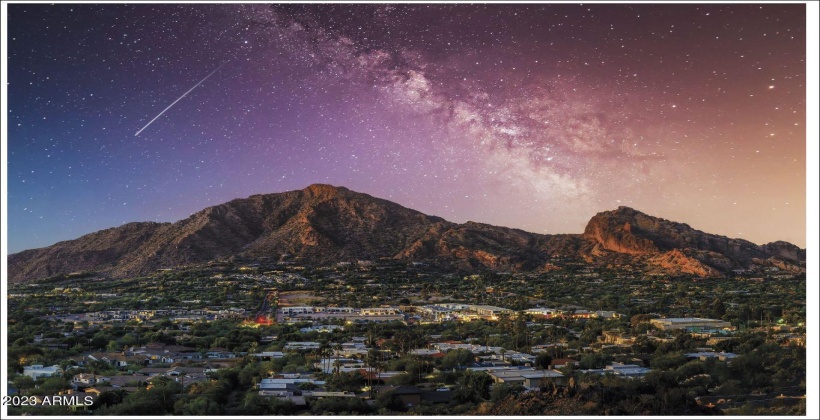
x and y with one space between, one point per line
369 338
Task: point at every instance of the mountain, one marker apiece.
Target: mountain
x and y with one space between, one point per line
326 224
681 249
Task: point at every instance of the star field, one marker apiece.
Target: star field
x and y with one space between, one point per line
533 116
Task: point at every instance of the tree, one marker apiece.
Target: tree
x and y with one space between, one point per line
473 386
594 361
53 385
108 398
324 354
164 388
199 406
345 381
339 406
404 341
456 358
255 404
718 309
249 374
23 383
146 402
668 361
337 348
501 391
280 407
99 340
373 360
543 360
644 344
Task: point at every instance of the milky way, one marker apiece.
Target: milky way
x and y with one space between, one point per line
531 116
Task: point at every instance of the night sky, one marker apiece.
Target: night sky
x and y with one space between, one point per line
528 116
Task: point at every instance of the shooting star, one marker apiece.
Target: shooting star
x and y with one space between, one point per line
178 99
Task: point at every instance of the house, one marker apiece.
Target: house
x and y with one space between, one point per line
518 357
84 380
121 381
267 355
704 355
616 337
152 372
220 353
182 371
620 369
581 314
284 391
329 394
608 314
280 383
426 352
342 364
162 353
544 312
562 363
528 378
40 371
117 359
190 378
302 345
97 390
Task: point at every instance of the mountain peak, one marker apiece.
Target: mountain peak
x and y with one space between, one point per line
626 230
614 230
324 190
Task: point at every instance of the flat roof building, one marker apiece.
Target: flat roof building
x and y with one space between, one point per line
37 371
528 378
690 324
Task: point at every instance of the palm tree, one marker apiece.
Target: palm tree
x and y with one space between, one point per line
373 361
324 353
338 348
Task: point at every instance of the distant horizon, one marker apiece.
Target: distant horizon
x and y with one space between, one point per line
411 208
528 116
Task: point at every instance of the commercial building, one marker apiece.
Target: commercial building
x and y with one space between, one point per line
691 324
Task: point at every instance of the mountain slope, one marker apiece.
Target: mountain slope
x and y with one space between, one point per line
98 251
321 222
325 224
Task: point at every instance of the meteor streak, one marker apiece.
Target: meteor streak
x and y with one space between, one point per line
178 99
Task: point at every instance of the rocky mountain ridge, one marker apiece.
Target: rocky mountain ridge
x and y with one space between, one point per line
325 224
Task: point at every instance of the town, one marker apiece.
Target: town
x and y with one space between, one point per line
386 337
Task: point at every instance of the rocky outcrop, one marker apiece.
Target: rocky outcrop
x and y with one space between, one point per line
675 262
626 230
616 234
785 251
